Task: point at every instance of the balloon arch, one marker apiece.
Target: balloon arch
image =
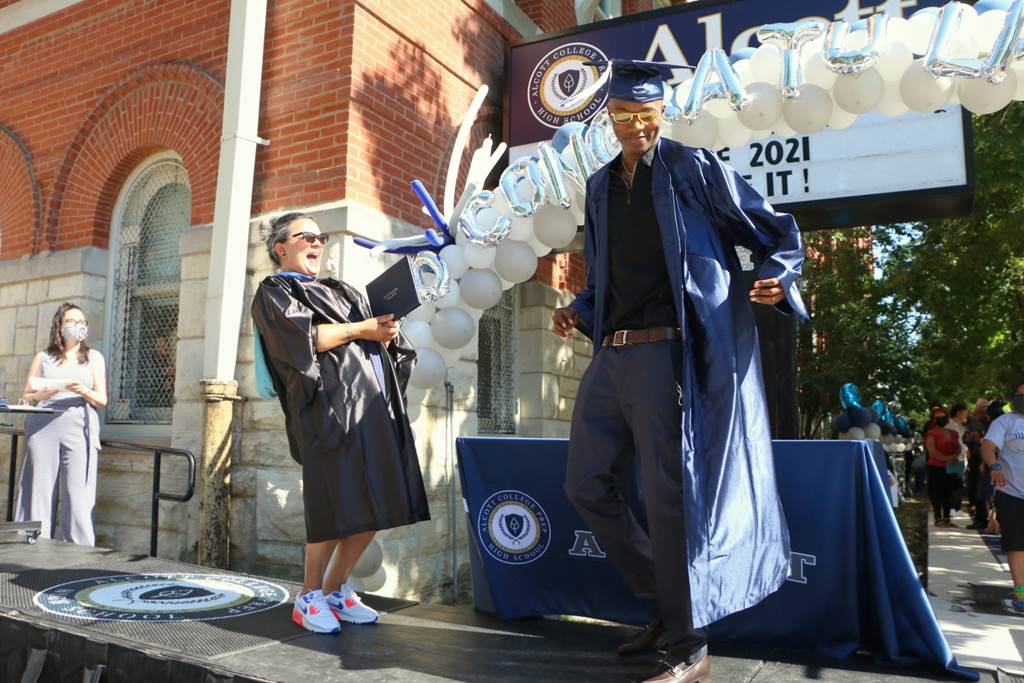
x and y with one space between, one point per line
803 77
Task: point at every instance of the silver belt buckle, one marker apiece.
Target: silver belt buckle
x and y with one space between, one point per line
619 338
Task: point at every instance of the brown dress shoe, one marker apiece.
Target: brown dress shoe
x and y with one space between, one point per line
650 639
667 672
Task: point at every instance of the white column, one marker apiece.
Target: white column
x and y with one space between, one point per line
233 207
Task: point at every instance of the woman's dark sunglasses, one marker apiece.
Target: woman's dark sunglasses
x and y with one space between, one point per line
311 237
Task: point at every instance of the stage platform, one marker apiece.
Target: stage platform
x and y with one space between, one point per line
130 627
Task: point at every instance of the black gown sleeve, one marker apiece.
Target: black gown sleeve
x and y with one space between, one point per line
289 339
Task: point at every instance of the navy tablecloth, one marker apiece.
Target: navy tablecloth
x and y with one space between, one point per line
852 585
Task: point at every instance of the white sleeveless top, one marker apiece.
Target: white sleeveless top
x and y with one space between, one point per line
51 368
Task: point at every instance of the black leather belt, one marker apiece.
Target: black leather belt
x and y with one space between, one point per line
654 334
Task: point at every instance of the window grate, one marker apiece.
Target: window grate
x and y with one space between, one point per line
496 372
157 208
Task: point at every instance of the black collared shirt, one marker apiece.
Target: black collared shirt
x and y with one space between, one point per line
640 291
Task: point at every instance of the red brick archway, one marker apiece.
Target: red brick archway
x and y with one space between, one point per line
158 107
20 197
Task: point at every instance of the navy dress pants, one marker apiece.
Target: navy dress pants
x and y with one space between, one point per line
627 414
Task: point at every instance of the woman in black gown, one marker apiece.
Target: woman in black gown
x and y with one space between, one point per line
340 375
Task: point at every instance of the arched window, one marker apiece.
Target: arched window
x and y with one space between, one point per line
154 209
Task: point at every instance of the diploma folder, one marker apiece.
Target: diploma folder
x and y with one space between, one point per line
394 291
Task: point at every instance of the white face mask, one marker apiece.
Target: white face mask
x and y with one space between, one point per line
74 332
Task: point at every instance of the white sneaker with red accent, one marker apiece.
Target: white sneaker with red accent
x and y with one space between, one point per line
347 606
312 613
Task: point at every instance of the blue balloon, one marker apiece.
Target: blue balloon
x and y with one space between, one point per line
841 423
741 54
561 138
849 396
861 417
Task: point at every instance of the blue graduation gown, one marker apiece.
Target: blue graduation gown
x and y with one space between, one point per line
736 537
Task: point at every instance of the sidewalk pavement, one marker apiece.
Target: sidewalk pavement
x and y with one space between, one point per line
969 588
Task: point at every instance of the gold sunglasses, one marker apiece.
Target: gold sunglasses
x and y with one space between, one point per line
645 117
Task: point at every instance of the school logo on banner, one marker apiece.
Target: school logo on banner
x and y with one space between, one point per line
513 527
183 596
560 75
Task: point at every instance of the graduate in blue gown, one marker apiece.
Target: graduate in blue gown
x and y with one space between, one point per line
675 384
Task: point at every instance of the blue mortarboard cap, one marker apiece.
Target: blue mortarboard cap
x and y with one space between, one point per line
633 80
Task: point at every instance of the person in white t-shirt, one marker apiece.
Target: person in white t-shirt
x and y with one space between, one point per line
1006 433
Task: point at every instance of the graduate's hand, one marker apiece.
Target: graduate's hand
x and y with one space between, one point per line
78 388
768 292
565 320
383 329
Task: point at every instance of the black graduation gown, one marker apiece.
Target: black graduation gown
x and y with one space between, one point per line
359 466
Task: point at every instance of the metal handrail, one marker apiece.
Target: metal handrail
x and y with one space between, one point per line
156 451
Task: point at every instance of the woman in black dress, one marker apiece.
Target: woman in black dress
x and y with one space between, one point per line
340 375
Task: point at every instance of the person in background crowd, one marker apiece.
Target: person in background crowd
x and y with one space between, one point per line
1003 452
943 446
976 478
955 469
63 445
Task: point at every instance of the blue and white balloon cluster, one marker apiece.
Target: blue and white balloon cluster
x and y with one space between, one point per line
810 74
878 422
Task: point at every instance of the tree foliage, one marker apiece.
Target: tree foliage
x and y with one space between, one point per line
925 312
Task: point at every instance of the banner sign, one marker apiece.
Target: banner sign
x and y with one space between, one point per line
878 170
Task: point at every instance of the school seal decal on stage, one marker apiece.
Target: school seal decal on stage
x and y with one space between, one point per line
513 527
161 597
559 75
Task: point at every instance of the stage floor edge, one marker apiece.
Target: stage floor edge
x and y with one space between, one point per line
413 643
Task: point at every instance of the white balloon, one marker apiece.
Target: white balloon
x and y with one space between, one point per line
859 93
923 92
873 431
479 257
816 72
810 112
855 433
451 298
891 103
732 133
521 228
370 560
454 256
701 133
481 289
897 30
843 436
376 581
1018 73
901 447
989 25
425 313
355 583
414 395
841 118
718 108
515 261
452 328
781 129
893 61
981 97
418 334
742 69
766 64
919 31
760 134
413 411
554 226
429 370
764 108
539 248
888 439
451 356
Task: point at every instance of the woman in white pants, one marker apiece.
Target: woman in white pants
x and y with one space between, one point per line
62 447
